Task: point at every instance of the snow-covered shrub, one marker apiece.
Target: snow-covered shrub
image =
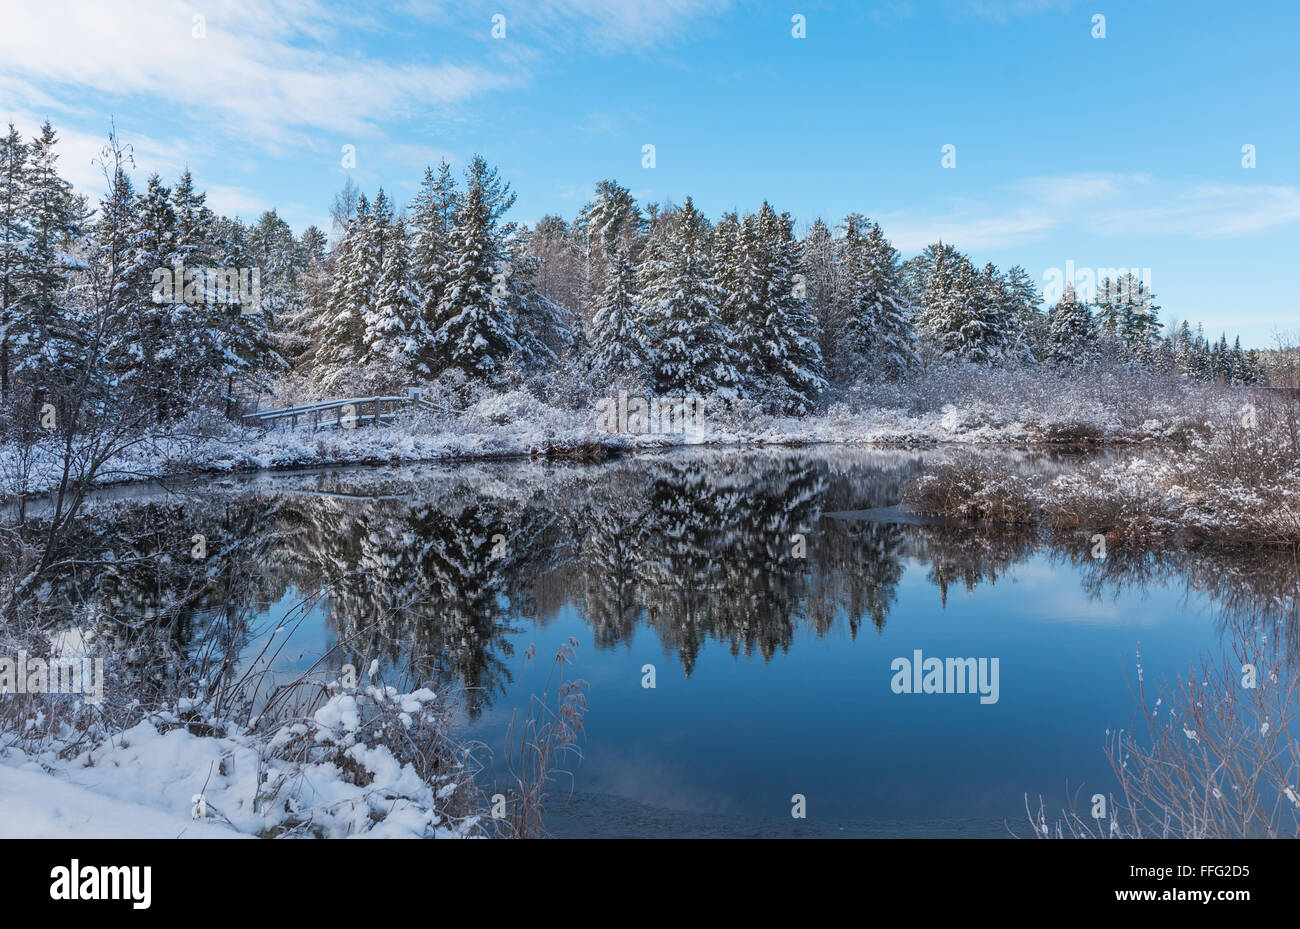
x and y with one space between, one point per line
974 486
1125 498
1231 481
368 763
515 407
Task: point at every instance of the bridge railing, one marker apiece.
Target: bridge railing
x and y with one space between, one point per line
347 414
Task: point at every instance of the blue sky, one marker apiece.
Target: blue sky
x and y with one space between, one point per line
1123 151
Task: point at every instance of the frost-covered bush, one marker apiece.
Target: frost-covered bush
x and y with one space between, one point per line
1127 498
514 407
1230 480
974 487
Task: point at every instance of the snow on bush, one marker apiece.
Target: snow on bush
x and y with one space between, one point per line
372 763
1228 482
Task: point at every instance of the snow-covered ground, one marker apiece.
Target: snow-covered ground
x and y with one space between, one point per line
331 774
516 424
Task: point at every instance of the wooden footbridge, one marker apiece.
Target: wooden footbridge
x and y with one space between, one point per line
342 414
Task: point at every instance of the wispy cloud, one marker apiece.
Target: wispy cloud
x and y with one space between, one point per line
257 71
1112 205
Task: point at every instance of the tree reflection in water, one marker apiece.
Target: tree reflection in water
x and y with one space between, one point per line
431 570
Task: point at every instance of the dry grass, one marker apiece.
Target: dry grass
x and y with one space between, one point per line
1214 757
541 734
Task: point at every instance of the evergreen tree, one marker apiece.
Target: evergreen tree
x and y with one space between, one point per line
432 214
1110 307
356 275
1139 317
820 271
955 316
774 329
1027 330
56 219
395 335
476 331
13 245
875 331
618 339
683 302
918 271
1237 373
1072 330
1182 346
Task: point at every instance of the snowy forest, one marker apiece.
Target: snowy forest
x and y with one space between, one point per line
656 298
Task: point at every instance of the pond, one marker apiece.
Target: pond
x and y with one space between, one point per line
769 597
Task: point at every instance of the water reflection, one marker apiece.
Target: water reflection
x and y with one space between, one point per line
432 570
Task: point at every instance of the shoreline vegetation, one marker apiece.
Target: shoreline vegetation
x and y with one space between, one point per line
1236 481
1034 410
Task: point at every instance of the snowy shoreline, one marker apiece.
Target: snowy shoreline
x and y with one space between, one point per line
501 434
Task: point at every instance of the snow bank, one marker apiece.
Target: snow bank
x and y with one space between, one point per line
517 424
329 775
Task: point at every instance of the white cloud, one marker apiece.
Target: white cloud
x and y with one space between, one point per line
255 72
1111 205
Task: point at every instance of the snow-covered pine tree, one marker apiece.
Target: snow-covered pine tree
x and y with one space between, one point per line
728 257
165 330
1139 317
1071 332
821 277
476 329
609 221
652 270
13 245
618 345
994 327
953 317
1237 373
1028 326
791 350
1109 304
876 333
1199 366
743 291
395 338
1183 345
243 350
433 211
356 275
917 271
682 301
774 329
195 243
1255 371
56 220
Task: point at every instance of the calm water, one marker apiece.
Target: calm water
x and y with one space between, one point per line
770 591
